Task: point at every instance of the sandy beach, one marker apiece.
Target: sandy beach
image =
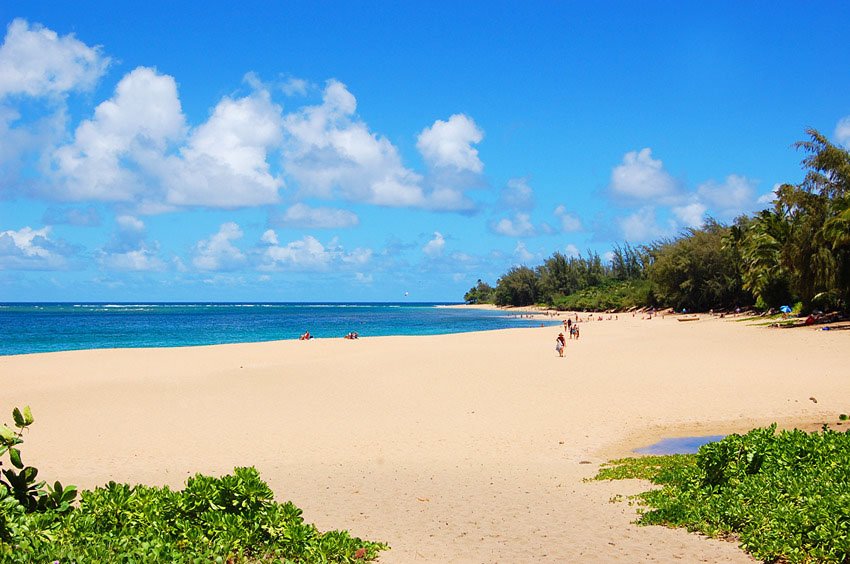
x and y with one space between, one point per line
457 448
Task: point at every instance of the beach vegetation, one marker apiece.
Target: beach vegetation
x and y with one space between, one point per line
797 251
481 293
520 286
233 518
784 496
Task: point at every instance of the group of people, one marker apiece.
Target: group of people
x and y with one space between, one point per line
561 342
306 336
571 328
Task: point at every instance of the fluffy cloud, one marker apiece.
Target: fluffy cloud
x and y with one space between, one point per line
569 222
733 196
303 216
137 123
770 197
225 163
36 61
218 252
331 153
222 164
517 195
642 177
519 226
640 226
30 249
435 246
449 144
138 260
522 254
295 86
361 278
842 132
571 251
128 250
691 215
308 254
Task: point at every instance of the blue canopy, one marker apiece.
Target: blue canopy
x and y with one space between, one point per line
785 309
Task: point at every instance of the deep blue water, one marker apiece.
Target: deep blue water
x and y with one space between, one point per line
679 445
45 327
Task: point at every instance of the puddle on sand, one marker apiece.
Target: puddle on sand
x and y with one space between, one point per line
678 445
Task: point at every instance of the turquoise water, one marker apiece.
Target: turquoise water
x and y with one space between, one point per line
46 327
679 445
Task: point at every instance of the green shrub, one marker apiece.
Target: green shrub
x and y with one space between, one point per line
233 518
785 495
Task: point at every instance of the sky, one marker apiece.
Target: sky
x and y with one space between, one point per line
387 151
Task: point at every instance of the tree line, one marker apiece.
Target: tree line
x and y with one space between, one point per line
798 252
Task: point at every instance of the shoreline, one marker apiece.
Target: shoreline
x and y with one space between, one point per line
452 448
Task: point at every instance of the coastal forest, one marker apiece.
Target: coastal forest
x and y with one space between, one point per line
797 253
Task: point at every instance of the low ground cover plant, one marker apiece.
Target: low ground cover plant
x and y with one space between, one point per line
784 496
233 518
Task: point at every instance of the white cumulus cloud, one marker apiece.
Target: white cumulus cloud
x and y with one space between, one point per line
127 250
640 176
331 153
225 163
137 124
517 195
732 197
304 216
36 61
450 144
218 251
519 226
309 254
522 254
691 215
640 226
30 249
137 148
569 222
137 260
435 246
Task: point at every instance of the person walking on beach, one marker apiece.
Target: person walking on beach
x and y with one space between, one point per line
560 343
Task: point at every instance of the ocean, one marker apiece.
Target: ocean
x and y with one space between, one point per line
47 327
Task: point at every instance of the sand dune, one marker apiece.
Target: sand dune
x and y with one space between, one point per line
459 448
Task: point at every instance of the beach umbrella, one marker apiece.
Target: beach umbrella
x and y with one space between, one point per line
785 309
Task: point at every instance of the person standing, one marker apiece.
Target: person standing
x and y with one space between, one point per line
560 343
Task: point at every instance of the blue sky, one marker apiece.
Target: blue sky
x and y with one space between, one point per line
387 151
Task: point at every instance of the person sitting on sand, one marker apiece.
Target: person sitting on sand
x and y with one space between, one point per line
352 335
306 336
560 343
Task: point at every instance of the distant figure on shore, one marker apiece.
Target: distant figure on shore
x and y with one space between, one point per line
560 343
306 336
569 324
352 335
575 328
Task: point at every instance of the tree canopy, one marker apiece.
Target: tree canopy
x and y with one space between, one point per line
798 251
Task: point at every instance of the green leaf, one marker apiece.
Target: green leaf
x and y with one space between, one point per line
28 419
15 456
7 435
19 419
